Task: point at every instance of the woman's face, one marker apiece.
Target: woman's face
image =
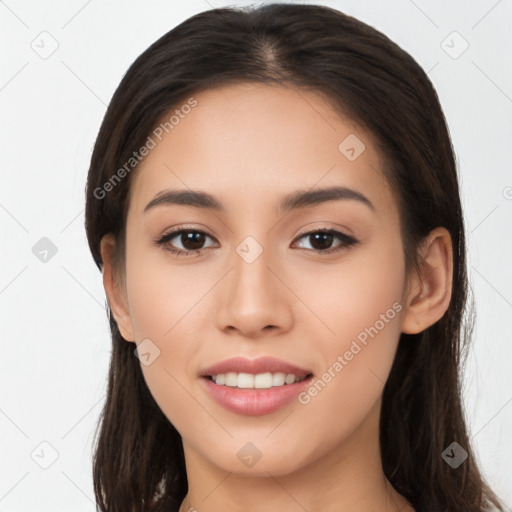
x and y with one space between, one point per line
262 282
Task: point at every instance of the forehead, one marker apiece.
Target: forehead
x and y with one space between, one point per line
252 141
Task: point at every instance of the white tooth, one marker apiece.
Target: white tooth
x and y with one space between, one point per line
260 381
290 378
278 379
231 379
245 380
263 380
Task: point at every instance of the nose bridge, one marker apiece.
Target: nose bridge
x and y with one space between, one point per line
254 297
252 280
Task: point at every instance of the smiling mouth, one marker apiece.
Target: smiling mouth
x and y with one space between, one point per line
265 380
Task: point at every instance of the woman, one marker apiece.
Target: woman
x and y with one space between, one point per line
274 205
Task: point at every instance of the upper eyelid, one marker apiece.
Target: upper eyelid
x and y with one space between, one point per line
176 232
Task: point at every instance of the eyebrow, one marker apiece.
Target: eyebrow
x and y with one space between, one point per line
294 200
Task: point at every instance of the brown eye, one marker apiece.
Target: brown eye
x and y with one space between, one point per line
322 240
191 240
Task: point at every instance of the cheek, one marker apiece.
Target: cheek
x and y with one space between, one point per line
360 303
349 297
162 294
166 305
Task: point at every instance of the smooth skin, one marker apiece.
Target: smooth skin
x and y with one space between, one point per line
249 145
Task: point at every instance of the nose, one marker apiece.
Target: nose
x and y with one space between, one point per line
255 301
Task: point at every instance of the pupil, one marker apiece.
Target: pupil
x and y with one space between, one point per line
323 238
195 240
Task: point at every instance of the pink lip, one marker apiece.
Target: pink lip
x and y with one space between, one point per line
254 366
253 402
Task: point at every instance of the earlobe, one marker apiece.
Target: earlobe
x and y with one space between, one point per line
430 292
116 293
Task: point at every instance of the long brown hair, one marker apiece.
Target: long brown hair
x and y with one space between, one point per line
138 460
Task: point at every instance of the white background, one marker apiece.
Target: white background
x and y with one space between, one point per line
55 341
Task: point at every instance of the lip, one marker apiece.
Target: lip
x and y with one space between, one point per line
254 366
254 402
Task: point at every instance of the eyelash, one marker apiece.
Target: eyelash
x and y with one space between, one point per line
346 240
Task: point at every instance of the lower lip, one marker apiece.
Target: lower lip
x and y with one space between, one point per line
254 402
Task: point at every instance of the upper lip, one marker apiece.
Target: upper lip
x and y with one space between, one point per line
254 366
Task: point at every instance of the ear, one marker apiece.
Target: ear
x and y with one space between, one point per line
429 292
115 290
